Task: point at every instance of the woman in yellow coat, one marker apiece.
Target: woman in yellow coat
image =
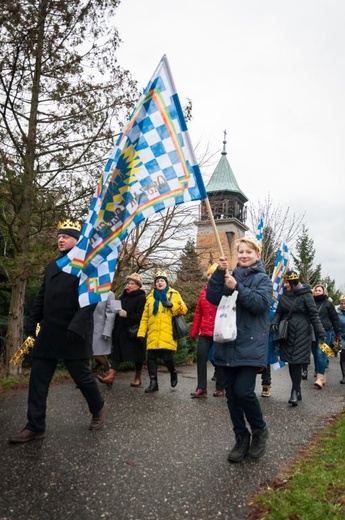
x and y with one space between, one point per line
162 303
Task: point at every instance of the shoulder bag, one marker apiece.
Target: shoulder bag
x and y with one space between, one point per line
283 327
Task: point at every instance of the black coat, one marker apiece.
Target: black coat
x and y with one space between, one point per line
124 347
296 349
57 310
328 314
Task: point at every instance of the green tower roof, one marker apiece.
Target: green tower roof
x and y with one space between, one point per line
223 178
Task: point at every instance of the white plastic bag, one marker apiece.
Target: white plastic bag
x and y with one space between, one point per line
225 324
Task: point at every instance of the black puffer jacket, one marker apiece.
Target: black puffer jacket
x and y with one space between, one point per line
296 349
328 314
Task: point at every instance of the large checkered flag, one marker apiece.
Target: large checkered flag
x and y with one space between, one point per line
152 167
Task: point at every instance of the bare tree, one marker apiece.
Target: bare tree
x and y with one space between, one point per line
280 225
61 91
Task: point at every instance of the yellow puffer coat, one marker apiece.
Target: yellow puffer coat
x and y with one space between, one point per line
158 327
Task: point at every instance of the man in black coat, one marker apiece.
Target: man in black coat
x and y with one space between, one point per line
65 333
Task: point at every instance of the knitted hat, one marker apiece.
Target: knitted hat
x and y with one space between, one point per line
211 269
70 228
161 274
135 277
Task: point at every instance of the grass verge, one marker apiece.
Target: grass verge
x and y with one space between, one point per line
313 486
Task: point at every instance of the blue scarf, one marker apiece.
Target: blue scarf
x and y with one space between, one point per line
159 296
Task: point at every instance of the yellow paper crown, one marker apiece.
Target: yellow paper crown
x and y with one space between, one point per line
69 224
160 274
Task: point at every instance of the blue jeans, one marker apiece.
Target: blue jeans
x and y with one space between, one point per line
241 398
320 358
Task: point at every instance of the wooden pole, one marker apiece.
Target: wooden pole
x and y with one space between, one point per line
210 214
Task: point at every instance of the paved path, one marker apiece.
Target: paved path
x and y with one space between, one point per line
160 456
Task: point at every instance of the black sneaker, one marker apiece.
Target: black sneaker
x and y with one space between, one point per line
241 448
258 445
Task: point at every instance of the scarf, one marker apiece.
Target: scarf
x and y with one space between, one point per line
159 296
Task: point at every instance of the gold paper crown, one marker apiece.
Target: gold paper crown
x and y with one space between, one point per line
291 275
160 274
69 224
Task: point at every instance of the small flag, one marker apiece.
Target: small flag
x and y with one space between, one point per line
152 167
282 262
260 228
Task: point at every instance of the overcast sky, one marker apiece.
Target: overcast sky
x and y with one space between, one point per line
271 73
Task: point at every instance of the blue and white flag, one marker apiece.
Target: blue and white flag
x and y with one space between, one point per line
260 228
281 264
152 167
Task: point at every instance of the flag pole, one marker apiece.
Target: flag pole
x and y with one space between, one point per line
214 227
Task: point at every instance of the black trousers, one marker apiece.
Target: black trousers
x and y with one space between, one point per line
241 398
42 371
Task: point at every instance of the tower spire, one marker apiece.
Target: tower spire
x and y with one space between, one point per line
224 143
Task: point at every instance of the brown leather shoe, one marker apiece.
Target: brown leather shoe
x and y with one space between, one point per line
26 436
137 379
97 421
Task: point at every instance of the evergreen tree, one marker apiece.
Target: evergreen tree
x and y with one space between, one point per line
190 276
61 90
305 258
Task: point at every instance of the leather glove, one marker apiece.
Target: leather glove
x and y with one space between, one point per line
322 339
274 328
167 304
338 336
73 338
106 338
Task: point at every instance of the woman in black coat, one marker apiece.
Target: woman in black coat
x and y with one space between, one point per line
330 321
127 347
297 305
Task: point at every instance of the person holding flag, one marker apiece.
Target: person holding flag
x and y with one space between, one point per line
65 333
242 358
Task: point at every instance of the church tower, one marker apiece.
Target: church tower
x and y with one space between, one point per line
227 203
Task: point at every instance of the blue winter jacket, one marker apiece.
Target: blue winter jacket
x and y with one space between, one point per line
252 316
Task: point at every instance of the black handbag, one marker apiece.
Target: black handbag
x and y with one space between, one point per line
283 327
133 331
180 327
283 330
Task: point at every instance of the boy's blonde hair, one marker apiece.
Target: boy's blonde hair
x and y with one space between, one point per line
251 242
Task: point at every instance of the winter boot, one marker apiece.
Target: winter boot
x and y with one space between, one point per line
294 397
342 366
137 379
304 373
241 448
319 381
258 445
266 391
173 374
152 368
